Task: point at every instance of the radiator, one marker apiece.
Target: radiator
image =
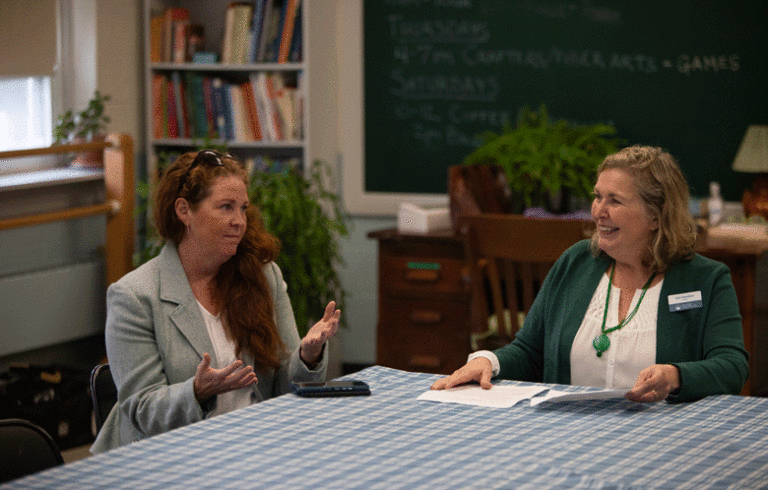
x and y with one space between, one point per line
46 307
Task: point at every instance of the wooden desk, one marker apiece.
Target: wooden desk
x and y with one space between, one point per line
424 303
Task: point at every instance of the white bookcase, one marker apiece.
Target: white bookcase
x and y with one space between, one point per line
211 14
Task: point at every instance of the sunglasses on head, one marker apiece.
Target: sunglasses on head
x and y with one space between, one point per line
210 158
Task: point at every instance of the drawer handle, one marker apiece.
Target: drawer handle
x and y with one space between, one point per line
428 362
422 275
426 316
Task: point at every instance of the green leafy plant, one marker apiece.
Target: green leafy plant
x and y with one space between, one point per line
308 219
543 158
84 125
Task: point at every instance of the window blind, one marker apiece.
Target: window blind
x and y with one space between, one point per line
27 38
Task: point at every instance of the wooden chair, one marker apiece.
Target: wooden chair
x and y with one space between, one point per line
103 393
508 258
26 448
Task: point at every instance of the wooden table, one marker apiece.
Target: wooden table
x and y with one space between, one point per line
424 302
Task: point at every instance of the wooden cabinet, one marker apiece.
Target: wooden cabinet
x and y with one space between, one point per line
423 302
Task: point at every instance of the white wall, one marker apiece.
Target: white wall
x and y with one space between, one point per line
335 93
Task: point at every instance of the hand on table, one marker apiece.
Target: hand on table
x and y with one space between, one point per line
654 383
312 343
478 369
209 382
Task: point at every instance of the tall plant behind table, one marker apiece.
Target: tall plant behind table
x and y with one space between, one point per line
543 158
309 220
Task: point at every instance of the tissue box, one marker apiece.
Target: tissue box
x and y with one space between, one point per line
414 218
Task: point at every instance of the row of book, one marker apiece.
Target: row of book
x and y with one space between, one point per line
257 31
255 164
191 105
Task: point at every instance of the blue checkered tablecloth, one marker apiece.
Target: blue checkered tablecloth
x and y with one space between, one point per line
391 440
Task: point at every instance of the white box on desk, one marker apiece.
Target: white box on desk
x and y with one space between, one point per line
411 217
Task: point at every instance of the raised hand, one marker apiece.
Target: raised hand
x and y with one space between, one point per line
209 382
312 343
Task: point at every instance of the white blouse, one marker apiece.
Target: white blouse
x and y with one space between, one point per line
224 348
632 349
633 346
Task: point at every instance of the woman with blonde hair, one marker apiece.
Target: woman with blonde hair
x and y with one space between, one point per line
634 307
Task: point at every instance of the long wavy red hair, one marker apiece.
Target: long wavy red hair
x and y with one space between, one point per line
241 287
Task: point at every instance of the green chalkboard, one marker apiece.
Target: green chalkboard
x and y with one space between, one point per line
686 75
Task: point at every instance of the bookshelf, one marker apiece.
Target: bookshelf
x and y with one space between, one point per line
245 99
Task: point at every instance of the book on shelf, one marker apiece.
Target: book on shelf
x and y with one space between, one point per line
197 108
218 98
158 107
265 29
172 17
256 29
156 28
295 54
237 114
249 98
210 108
263 89
179 96
237 32
286 34
284 102
180 33
170 105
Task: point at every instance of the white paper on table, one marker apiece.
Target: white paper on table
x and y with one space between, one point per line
569 396
496 397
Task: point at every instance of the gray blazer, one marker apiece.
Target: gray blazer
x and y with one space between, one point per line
156 337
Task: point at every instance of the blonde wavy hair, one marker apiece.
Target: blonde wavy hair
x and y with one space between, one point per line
664 191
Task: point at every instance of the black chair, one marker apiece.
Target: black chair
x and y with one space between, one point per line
26 448
103 393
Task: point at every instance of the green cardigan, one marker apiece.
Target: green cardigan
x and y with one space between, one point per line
706 343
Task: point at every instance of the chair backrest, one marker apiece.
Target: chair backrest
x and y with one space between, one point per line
508 257
103 393
25 448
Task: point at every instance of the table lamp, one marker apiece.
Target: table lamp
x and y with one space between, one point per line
753 157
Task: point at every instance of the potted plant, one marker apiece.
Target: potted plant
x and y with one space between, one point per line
547 163
85 126
308 219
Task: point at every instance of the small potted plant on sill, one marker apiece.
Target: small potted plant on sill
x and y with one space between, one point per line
86 126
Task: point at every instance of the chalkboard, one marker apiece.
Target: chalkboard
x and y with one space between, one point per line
686 75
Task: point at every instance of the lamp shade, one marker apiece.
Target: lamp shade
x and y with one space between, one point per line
753 152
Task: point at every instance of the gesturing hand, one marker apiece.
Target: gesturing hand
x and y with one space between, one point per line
312 343
654 383
209 382
478 369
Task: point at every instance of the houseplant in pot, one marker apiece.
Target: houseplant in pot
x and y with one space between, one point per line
547 164
85 126
307 217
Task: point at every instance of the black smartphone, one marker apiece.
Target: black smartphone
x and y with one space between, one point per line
332 388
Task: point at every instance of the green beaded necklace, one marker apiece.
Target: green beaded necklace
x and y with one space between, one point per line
602 342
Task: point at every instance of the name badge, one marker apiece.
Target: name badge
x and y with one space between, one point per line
685 301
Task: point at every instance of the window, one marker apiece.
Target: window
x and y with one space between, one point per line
25 113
